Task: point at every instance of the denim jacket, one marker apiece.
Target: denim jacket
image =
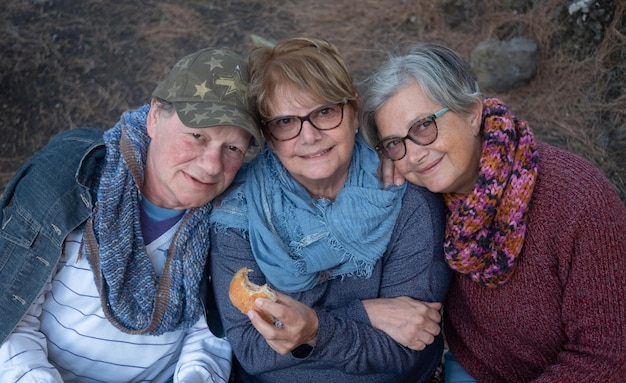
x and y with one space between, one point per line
49 196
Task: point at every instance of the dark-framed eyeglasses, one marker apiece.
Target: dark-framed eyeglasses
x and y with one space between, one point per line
423 132
285 128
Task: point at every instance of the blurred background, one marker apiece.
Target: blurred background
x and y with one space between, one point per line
69 63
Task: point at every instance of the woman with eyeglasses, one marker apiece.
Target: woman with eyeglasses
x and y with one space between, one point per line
535 234
314 222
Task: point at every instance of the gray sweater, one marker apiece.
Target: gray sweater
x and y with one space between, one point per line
348 348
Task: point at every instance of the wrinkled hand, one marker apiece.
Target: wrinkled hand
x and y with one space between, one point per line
412 323
299 323
387 172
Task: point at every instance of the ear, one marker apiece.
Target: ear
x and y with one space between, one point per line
151 121
476 117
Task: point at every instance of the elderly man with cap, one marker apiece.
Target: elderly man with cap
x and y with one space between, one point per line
104 236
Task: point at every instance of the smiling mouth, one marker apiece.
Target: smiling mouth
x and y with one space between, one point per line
318 154
429 167
199 181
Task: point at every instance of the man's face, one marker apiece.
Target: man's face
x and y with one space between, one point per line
188 167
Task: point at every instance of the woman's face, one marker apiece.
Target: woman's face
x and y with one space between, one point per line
450 163
318 159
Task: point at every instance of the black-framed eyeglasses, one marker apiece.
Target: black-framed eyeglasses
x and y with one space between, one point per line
285 128
423 132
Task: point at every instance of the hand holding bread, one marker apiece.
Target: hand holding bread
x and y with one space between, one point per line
243 293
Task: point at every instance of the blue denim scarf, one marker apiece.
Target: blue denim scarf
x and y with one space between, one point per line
299 242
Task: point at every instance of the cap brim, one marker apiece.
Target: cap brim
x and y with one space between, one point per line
207 114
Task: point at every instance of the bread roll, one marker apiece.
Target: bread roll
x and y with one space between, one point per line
242 293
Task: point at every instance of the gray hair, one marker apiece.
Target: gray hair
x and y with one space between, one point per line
440 72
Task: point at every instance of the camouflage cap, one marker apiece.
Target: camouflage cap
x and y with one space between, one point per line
210 88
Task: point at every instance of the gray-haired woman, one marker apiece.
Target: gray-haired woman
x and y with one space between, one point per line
535 234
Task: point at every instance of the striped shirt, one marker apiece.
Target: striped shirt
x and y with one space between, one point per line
65 337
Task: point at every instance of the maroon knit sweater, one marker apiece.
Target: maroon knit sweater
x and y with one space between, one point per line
562 315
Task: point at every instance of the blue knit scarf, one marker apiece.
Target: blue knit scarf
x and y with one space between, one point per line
134 299
299 242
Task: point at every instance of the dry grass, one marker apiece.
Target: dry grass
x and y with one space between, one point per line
68 64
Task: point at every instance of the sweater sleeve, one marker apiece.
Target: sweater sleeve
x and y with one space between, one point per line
593 271
346 340
413 266
414 263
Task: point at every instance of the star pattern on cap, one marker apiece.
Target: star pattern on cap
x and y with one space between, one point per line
173 91
215 108
199 117
188 108
183 63
201 89
225 120
234 84
207 88
214 63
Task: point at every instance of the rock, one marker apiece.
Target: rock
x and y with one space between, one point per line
505 65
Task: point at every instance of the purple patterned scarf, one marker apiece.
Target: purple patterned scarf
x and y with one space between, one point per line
486 228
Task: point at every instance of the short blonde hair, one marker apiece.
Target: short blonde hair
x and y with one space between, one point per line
309 64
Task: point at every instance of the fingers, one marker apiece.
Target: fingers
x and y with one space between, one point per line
420 309
268 330
435 305
433 313
273 335
398 179
295 323
410 322
429 310
416 336
386 169
278 309
420 343
390 176
262 325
